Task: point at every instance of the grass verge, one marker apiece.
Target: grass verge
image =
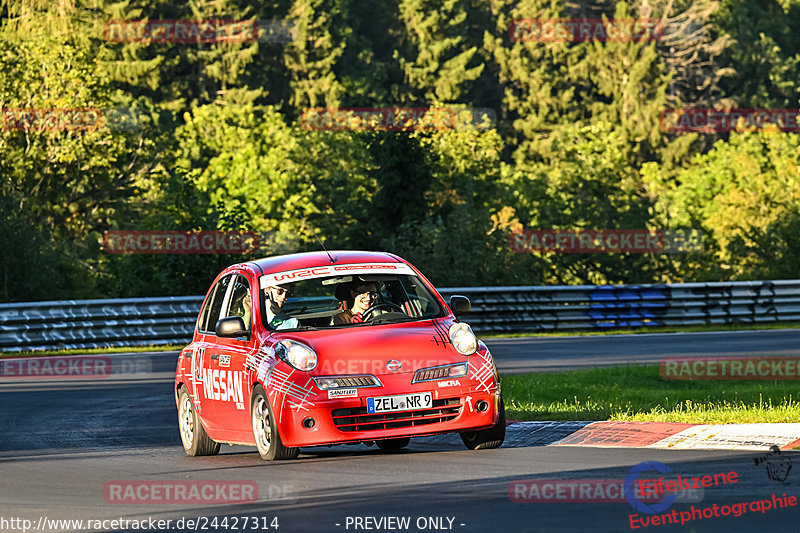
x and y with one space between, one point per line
637 392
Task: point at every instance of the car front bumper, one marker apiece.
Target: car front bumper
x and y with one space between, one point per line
467 407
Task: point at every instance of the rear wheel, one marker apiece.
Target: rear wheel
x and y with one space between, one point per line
193 435
393 444
265 429
489 438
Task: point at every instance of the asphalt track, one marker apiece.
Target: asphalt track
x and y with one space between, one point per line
62 443
538 354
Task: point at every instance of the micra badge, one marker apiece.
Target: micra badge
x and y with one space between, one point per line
394 365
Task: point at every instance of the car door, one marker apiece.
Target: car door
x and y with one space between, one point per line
230 390
205 352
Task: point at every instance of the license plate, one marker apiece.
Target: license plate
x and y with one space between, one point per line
401 402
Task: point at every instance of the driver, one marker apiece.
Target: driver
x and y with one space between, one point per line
363 294
276 297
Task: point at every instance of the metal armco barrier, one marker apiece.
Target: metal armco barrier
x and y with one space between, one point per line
154 321
623 306
97 323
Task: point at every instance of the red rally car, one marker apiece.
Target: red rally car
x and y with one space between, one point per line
320 349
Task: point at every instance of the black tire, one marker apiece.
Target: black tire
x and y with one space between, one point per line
265 430
193 435
389 445
487 439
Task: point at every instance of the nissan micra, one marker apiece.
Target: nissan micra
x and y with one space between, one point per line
331 348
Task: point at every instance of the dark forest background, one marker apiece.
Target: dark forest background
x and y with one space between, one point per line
217 143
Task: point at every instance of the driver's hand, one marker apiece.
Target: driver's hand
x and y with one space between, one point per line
356 318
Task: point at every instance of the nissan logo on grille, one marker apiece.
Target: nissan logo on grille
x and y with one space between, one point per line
394 365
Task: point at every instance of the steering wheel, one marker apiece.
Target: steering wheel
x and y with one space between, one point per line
367 315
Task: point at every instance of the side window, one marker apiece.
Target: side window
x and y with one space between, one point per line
240 301
214 305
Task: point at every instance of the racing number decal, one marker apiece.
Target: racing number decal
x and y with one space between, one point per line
195 373
197 363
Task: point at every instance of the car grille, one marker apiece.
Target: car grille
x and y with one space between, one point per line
357 419
357 381
350 381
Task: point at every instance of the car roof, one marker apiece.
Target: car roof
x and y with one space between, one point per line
280 263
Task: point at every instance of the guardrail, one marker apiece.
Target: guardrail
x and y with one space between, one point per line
170 320
623 306
97 323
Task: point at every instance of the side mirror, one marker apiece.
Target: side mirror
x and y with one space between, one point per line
232 326
460 304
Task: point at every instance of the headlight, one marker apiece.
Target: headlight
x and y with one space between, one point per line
464 341
296 354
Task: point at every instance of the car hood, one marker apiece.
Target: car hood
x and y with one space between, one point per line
367 350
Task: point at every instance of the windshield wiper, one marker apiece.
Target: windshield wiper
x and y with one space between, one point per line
391 320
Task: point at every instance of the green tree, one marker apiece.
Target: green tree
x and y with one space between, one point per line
586 182
72 174
253 171
440 68
451 239
745 196
312 56
765 53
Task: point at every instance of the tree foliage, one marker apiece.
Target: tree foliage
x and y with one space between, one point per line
210 135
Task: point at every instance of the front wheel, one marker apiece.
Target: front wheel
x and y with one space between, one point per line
486 439
193 435
265 429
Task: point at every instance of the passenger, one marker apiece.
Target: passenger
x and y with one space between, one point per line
363 294
247 310
276 296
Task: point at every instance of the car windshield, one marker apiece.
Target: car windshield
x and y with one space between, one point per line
348 301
